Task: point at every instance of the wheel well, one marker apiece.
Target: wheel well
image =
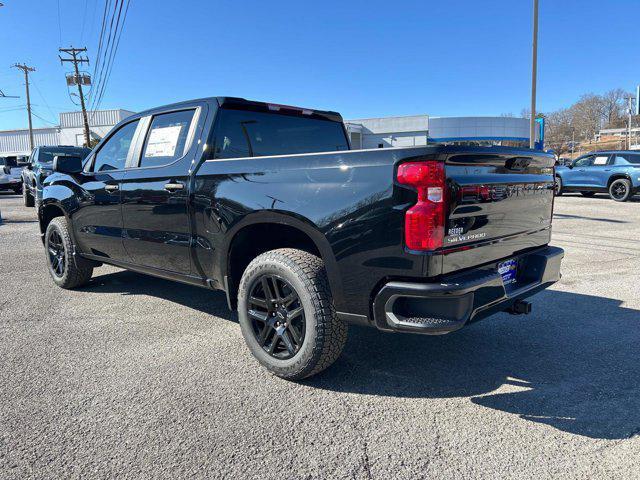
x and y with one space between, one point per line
616 177
49 212
253 240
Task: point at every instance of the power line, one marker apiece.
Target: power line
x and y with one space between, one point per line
59 25
43 119
43 99
84 20
113 55
103 48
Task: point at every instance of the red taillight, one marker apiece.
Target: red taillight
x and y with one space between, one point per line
424 222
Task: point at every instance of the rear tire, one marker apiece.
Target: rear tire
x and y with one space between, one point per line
67 270
558 187
27 198
287 315
620 190
588 194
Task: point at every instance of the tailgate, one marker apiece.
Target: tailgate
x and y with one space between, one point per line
500 203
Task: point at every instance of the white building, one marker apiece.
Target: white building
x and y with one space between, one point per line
69 132
421 129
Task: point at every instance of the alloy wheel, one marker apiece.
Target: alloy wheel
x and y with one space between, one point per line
619 190
277 316
57 254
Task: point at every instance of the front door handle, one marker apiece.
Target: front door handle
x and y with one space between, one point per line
172 187
607 169
111 188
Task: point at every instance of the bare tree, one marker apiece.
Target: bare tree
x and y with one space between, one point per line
614 108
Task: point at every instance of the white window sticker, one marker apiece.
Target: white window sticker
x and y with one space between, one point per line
163 141
600 161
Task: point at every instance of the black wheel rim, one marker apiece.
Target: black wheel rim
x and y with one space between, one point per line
277 316
619 190
57 254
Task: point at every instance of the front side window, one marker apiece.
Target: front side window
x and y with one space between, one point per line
167 138
113 154
584 162
241 133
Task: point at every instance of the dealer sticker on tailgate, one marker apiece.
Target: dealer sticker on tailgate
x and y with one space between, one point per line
508 270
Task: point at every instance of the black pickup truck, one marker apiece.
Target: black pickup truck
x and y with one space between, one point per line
269 204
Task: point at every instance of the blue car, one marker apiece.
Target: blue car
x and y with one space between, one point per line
614 172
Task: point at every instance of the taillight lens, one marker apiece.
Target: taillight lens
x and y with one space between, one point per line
424 222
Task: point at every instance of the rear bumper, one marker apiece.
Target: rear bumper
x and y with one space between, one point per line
9 184
438 308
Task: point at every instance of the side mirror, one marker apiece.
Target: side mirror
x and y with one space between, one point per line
66 164
570 165
6 169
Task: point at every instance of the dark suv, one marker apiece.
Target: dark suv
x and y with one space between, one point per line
40 167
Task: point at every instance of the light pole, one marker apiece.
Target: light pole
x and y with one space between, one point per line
534 69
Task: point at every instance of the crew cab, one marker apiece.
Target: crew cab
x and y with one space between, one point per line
614 172
304 235
39 167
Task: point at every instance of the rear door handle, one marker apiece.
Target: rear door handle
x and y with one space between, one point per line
172 187
607 169
111 188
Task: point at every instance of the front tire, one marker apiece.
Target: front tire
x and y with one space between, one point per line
620 190
287 315
67 270
27 198
558 187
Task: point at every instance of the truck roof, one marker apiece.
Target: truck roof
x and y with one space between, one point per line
238 103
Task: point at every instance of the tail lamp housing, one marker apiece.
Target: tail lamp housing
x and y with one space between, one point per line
424 222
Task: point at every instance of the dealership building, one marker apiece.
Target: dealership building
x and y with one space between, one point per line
364 133
418 130
68 132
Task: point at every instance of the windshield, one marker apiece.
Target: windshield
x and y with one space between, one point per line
46 156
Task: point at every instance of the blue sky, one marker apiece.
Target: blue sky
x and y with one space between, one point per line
362 58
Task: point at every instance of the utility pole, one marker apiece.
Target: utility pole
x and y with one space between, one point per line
26 69
78 80
534 70
631 99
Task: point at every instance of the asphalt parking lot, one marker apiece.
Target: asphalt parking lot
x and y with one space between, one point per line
138 377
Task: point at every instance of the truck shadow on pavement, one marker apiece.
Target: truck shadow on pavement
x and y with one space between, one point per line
572 364
131 283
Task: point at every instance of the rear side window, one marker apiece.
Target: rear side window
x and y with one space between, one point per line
113 153
242 133
626 158
167 138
